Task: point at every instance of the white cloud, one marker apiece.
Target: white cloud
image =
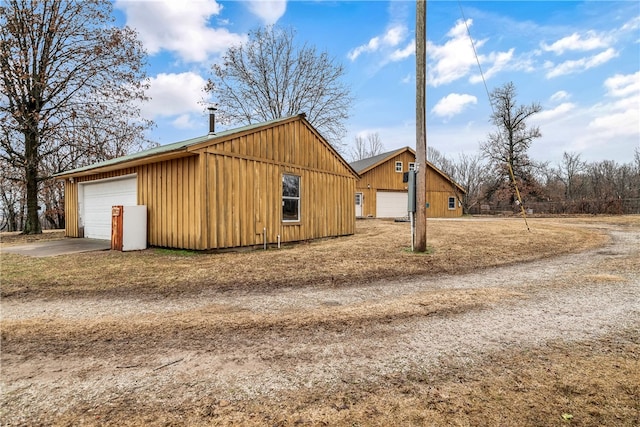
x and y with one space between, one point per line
579 65
175 95
372 46
181 28
619 118
390 39
394 35
621 85
269 11
615 124
575 42
559 96
185 121
499 61
456 58
453 104
407 51
607 130
558 112
632 25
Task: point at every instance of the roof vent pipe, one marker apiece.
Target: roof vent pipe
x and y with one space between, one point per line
212 120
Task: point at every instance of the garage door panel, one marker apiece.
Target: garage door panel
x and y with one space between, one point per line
98 199
391 204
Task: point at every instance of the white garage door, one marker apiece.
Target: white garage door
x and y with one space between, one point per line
98 199
391 204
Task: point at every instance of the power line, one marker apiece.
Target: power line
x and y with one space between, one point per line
493 111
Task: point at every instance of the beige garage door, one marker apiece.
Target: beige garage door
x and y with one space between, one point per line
391 204
97 200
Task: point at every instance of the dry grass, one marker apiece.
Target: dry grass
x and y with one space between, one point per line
378 250
586 384
591 382
17 238
210 326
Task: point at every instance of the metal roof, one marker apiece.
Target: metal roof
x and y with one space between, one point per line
361 165
169 148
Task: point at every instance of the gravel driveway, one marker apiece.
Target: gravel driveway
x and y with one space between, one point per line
569 298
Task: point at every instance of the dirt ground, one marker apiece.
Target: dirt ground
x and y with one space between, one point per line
495 326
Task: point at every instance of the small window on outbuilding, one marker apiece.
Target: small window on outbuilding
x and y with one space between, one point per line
290 198
412 166
452 203
398 166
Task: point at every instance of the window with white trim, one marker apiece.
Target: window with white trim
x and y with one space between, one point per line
452 203
412 166
290 198
398 166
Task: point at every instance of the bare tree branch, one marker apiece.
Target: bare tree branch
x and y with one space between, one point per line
270 77
507 148
69 80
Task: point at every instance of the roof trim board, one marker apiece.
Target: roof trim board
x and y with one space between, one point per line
365 165
186 148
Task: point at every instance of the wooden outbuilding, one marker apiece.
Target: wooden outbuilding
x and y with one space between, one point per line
274 181
381 192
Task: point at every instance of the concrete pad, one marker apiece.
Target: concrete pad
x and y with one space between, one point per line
65 246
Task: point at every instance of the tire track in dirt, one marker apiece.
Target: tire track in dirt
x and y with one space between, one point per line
570 298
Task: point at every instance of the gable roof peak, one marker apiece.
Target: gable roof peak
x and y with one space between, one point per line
364 164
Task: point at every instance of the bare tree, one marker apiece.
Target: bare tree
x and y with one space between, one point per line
439 160
61 62
507 148
270 77
365 147
569 173
470 172
12 197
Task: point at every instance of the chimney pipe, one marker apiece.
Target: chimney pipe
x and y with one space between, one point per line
212 120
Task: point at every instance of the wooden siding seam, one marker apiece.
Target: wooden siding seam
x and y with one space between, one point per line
277 163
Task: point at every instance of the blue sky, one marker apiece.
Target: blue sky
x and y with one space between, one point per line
579 59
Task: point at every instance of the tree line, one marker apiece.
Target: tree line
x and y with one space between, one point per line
503 169
72 84
490 176
572 186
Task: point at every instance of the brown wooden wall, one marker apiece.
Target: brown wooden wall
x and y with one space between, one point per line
439 189
244 188
170 191
384 177
71 201
244 199
226 193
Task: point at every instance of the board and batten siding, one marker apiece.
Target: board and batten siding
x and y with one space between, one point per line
439 190
383 177
225 191
244 188
171 190
168 189
71 214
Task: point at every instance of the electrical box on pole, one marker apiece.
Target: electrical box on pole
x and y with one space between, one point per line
411 184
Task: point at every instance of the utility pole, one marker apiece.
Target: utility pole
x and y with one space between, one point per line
421 126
